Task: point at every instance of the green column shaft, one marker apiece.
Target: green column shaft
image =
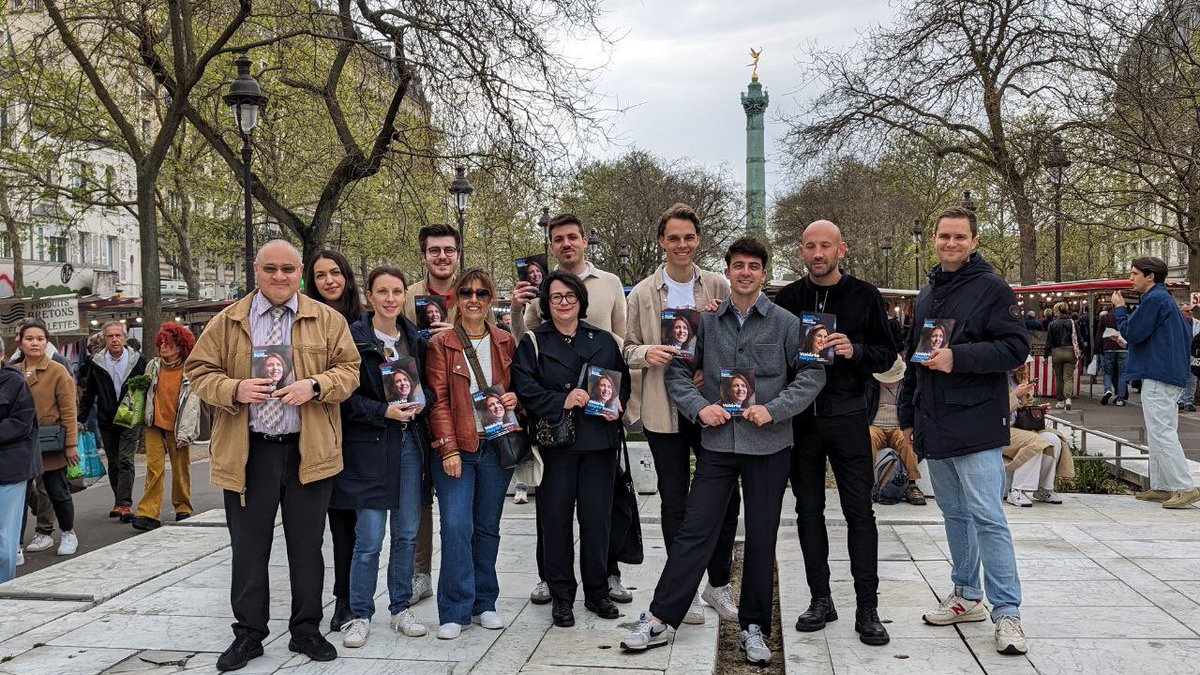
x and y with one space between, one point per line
754 102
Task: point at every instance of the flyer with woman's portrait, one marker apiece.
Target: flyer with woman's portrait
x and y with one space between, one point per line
532 269
814 331
604 389
679 330
273 363
737 390
494 418
402 383
431 309
935 334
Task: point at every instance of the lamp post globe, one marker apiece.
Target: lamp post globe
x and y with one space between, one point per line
246 100
623 258
967 203
544 223
916 237
461 190
593 247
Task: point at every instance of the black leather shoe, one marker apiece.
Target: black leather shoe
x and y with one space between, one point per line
239 653
314 647
561 612
145 523
602 607
870 629
341 615
820 611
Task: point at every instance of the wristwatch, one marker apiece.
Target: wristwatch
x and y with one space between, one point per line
316 388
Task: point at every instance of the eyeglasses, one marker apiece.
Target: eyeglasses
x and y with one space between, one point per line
272 269
563 299
437 252
481 293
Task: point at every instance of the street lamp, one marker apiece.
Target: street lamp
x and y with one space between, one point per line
967 203
916 233
544 223
593 247
887 260
1056 163
623 259
245 99
461 190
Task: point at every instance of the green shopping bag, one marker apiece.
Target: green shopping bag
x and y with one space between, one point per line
131 412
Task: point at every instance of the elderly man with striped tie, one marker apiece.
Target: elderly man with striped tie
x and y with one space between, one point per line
275 446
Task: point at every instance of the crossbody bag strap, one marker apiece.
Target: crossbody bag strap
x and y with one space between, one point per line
472 357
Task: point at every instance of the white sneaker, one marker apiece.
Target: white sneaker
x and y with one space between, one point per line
489 620
646 634
1068 403
406 624
617 591
1060 405
721 599
1010 639
68 543
1018 498
521 495
355 632
422 587
751 641
1048 496
40 542
695 613
956 610
540 595
450 631
20 556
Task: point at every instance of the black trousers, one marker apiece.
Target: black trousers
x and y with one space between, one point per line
613 566
576 484
341 529
672 460
120 447
764 478
273 481
846 441
59 491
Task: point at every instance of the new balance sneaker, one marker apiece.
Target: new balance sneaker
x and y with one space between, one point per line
68 543
422 587
751 642
40 542
1047 496
1180 499
1010 639
1018 498
695 613
489 620
617 591
407 625
721 599
646 634
540 595
354 634
450 631
956 610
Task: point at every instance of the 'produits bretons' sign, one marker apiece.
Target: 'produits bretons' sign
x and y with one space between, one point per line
61 314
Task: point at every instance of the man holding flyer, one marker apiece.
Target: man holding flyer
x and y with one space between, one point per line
677 284
956 402
748 332
836 427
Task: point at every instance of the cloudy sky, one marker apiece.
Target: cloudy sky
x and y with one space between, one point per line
679 66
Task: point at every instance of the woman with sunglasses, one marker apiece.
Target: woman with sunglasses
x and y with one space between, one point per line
470 483
330 279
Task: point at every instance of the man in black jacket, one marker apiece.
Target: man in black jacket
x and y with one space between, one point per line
107 374
835 427
957 404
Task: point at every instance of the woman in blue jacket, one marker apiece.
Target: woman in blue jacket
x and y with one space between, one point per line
383 453
20 460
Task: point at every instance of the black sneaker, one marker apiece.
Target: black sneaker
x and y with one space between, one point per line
145 523
869 628
602 607
314 647
561 612
239 653
820 611
341 615
1106 398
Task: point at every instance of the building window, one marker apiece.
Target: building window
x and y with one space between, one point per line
111 253
56 249
78 175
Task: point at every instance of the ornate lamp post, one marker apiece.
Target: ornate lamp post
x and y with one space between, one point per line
967 203
245 99
623 259
916 236
1056 163
461 190
544 223
593 247
886 246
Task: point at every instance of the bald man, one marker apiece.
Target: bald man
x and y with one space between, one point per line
836 426
259 455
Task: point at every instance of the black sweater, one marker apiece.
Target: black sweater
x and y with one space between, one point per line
862 318
20 458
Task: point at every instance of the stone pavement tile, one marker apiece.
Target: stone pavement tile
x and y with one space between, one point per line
1065 569
596 643
918 656
104 573
343 666
518 643
1175 532
384 644
1085 540
889 570
59 660
1091 656
1080 594
1190 589
1101 622
695 650
919 543
995 663
1176 569
276 655
1155 548
806 653
190 601
180 633
531 669
1178 605
20 616
901 604
40 635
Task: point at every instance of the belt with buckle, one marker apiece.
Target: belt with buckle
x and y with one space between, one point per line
280 439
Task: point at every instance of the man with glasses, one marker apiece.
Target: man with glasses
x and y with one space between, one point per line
606 310
105 386
441 246
275 449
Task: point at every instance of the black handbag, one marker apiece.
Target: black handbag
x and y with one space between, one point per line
511 448
1030 418
559 433
52 439
626 531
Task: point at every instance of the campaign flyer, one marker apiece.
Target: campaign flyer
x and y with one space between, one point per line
532 269
493 418
604 391
274 363
815 329
737 390
935 334
402 383
431 309
679 328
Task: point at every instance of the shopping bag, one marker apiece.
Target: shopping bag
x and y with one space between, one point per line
132 409
89 456
1093 366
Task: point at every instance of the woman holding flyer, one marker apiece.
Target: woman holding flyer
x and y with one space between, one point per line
471 484
580 477
383 452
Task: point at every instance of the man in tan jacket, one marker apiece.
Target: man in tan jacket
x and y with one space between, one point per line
275 445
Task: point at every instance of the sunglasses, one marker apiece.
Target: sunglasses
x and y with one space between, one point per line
481 293
272 269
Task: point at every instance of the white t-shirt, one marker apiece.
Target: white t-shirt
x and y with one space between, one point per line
680 295
389 345
483 351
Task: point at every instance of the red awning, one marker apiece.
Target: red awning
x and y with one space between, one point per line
1093 285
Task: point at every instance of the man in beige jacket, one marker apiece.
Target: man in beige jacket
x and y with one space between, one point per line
275 447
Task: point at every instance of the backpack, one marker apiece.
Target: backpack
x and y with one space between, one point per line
891 478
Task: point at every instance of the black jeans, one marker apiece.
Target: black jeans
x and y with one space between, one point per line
764 478
341 530
846 441
577 483
672 461
55 482
613 565
120 446
273 480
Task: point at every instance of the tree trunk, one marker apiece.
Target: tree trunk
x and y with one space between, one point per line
1193 268
148 231
1028 232
12 232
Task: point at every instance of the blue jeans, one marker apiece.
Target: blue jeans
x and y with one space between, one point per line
12 516
1114 373
470 509
1188 395
969 493
368 540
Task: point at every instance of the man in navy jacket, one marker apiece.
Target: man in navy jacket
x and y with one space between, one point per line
1159 343
956 402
